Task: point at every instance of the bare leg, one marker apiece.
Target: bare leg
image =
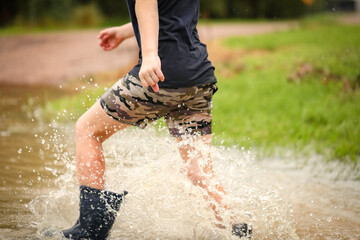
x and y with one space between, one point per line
201 174
92 129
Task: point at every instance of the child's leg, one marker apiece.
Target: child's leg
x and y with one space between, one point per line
190 123
197 156
92 129
97 207
199 166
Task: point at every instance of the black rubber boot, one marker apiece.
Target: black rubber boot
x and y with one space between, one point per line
98 210
242 230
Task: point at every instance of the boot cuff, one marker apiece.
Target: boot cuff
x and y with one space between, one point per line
89 194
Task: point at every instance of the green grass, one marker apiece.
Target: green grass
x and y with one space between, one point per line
259 107
74 105
261 104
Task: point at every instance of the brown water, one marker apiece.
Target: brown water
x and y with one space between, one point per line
283 198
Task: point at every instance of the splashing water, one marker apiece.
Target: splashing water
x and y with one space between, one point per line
279 198
283 198
162 203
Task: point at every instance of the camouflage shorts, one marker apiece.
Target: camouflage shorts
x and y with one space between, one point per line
186 110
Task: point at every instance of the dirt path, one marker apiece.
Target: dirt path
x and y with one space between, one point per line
52 58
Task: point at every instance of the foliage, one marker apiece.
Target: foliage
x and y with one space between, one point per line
270 9
87 16
61 12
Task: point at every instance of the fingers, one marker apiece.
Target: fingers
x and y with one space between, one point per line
108 43
103 41
158 71
101 34
160 75
155 87
151 78
108 39
154 77
150 81
150 72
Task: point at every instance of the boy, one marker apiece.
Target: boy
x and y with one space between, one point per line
173 79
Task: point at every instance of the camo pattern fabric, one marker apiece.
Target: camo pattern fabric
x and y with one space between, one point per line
186 110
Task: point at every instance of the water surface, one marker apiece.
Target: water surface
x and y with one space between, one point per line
283 198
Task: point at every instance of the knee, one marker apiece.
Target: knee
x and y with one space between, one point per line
84 130
81 127
88 128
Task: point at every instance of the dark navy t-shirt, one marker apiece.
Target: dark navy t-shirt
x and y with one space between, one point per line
184 59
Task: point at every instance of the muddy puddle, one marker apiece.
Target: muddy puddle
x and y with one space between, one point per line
283 198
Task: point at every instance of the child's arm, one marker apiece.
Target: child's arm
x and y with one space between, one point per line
110 38
148 19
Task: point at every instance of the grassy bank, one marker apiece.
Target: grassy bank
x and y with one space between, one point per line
295 90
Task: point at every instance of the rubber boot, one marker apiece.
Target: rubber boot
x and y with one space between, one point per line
242 230
98 210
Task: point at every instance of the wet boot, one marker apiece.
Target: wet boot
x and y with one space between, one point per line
98 210
242 230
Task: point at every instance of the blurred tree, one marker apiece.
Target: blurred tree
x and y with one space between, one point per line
213 8
40 12
258 8
87 15
7 11
308 2
113 8
48 12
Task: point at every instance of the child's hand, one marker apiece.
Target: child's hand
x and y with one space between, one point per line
150 72
110 38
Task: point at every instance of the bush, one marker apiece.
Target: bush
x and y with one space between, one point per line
87 15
